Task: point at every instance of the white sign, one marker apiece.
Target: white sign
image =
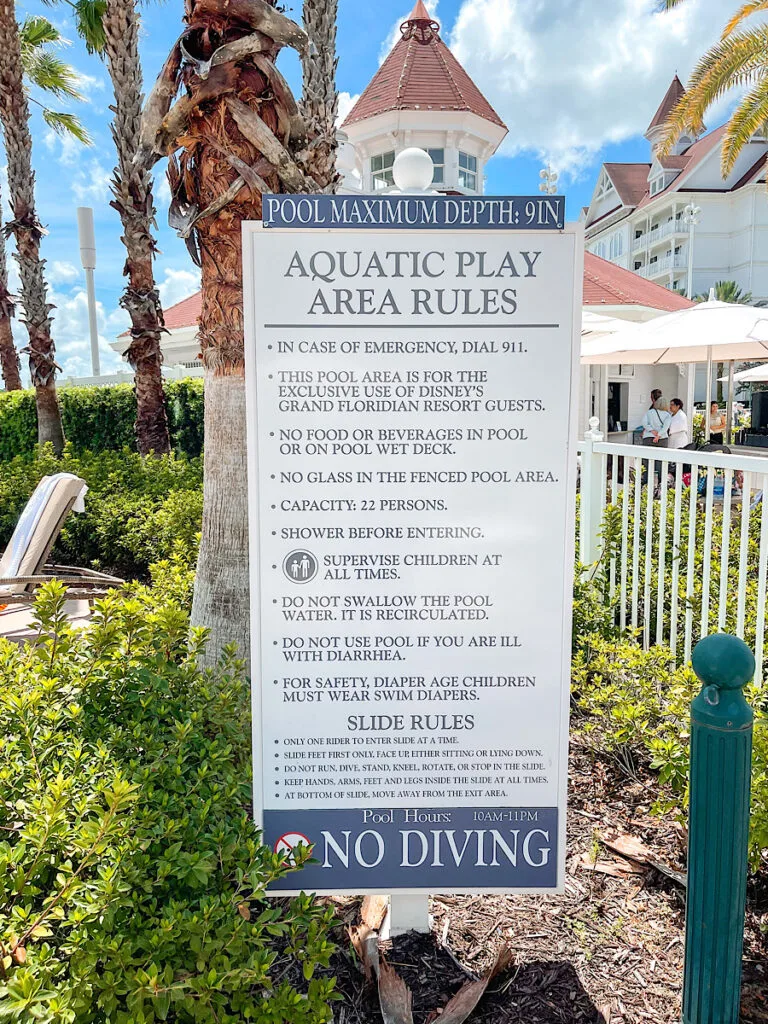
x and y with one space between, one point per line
412 492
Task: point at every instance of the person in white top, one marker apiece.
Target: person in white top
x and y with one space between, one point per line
656 424
679 435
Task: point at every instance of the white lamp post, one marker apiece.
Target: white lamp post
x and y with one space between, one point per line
548 181
87 236
692 217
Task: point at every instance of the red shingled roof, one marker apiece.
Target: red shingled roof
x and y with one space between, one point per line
421 73
605 284
674 94
629 180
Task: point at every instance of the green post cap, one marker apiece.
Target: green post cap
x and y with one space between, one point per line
723 661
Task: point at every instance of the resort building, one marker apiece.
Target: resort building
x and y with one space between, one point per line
637 215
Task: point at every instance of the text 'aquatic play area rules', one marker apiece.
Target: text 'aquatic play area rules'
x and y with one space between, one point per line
411 476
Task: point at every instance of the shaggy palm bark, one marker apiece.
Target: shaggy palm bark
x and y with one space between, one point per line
235 133
9 357
320 98
133 200
27 230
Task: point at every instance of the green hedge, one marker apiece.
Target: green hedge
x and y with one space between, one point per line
137 510
102 418
132 878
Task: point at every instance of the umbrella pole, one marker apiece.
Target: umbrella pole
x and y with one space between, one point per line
708 406
729 413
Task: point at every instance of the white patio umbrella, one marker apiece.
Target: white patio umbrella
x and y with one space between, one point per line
598 325
710 332
754 375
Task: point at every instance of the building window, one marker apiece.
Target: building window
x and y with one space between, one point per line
617 245
468 171
381 170
438 159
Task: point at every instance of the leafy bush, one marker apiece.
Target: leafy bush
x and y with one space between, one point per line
137 510
102 418
636 707
132 880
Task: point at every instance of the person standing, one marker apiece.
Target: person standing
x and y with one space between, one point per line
656 424
679 433
716 424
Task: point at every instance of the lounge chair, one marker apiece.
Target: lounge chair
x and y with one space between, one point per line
23 566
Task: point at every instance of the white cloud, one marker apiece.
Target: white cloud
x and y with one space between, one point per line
66 148
394 32
346 102
62 272
72 336
91 183
177 285
570 78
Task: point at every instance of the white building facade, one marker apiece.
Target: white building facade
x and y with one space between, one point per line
636 217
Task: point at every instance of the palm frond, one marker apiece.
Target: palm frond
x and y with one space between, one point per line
48 72
744 12
67 124
668 5
739 59
90 23
750 116
38 31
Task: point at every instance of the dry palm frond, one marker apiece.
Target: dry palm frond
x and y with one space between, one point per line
744 12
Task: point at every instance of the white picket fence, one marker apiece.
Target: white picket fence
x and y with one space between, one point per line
653 567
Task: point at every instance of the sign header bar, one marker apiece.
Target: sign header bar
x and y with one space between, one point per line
457 213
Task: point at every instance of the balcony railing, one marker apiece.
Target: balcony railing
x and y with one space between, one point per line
660 232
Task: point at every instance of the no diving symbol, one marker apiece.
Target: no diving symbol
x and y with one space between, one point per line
286 843
300 566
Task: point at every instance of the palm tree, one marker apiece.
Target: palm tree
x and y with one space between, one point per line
9 357
111 28
728 291
25 225
46 72
740 59
320 98
234 133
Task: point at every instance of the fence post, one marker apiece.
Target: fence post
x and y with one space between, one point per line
591 506
721 758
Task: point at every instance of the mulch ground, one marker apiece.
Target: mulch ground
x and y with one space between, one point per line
610 951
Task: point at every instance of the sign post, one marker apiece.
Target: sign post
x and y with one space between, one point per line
411 367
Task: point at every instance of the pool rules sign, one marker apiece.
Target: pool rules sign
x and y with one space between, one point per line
410 377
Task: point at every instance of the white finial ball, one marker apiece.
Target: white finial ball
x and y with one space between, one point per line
413 170
594 423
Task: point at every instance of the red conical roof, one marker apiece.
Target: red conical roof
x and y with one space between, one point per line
674 94
421 73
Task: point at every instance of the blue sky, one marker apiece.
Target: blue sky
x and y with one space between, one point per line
577 81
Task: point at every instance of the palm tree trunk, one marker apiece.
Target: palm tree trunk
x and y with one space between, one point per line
9 357
239 133
320 99
28 231
133 200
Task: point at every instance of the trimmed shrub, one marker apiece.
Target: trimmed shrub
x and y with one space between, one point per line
102 418
132 880
137 510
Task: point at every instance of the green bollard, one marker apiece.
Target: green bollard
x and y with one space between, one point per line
721 760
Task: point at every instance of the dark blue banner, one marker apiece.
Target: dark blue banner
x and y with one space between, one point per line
393 212
435 849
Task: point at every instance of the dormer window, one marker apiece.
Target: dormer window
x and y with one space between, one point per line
381 170
657 185
468 171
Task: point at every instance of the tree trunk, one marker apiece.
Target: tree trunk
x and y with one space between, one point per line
28 231
320 100
9 357
133 200
221 601
720 385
